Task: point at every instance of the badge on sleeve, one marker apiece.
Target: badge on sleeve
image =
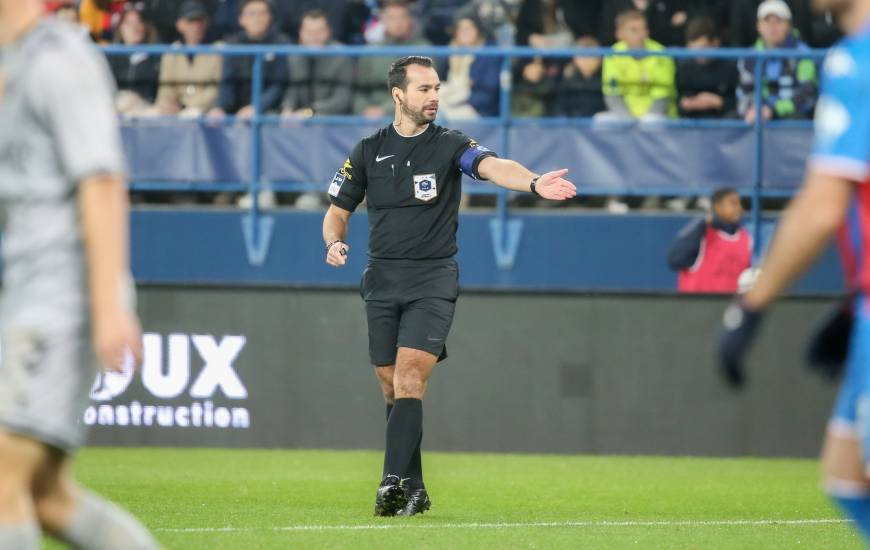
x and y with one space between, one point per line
425 187
335 186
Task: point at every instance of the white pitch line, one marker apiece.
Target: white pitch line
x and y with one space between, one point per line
603 523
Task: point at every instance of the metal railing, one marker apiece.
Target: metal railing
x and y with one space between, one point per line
503 121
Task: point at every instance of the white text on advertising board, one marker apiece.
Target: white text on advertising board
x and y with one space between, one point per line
167 373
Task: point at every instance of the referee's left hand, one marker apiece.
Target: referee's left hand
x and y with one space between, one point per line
554 187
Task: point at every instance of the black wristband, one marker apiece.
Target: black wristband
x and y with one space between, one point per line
532 186
332 243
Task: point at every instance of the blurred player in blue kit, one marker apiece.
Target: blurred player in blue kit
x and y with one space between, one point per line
66 287
835 199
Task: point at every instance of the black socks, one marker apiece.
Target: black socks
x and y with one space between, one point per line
415 468
404 433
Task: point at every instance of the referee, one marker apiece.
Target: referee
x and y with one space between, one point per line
410 174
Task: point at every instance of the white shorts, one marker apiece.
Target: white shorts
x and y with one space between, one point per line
45 382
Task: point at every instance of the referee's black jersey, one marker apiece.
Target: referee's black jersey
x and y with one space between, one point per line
412 186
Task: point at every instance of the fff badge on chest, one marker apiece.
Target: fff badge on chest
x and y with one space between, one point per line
425 187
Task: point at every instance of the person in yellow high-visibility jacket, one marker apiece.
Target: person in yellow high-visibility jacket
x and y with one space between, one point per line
638 87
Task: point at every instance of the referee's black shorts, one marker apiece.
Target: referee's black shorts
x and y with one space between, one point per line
409 304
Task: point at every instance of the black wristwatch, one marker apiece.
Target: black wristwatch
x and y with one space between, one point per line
532 186
328 246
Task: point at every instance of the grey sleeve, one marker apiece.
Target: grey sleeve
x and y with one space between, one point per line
616 104
659 107
291 97
73 93
362 85
339 102
371 86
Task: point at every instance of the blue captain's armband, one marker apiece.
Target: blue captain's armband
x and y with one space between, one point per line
470 159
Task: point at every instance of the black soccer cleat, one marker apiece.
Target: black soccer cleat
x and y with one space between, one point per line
418 502
392 496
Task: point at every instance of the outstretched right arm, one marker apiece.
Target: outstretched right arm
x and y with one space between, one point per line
334 233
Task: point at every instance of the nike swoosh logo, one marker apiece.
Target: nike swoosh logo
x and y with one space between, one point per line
380 158
433 339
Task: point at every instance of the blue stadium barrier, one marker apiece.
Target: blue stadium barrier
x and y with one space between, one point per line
688 159
249 166
545 252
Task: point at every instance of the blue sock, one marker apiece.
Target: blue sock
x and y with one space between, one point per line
857 508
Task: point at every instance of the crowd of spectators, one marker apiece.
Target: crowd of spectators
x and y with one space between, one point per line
615 87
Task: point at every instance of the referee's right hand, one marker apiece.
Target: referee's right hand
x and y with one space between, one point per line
336 254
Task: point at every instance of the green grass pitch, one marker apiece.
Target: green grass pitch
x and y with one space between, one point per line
215 499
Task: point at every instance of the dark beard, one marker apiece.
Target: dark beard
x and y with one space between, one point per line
417 116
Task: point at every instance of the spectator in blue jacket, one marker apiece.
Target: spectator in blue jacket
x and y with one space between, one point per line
255 19
471 84
789 86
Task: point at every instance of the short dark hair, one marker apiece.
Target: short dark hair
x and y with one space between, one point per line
395 4
587 41
721 193
315 13
398 76
246 2
623 18
701 27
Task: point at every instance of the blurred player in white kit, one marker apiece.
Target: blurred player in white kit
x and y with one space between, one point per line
63 218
